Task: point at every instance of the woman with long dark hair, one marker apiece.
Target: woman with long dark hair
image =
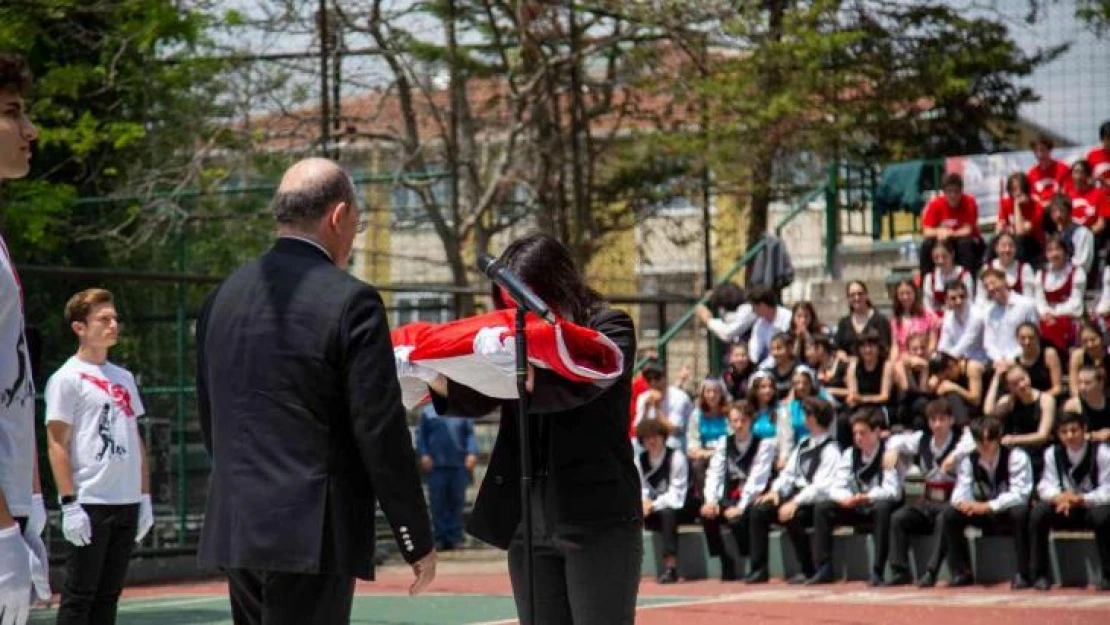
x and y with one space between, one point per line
1040 361
1091 353
861 316
803 325
910 318
586 496
1022 218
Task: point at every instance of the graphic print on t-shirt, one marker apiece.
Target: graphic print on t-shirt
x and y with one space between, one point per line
109 446
20 389
120 395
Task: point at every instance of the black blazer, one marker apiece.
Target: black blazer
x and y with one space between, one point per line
580 441
301 411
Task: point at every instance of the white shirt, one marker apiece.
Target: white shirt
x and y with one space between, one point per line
961 335
675 407
734 325
759 345
759 473
674 490
1020 487
1050 279
102 404
1001 322
1049 486
792 481
936 280
840 488
1028 278
1083 248
1103 306
908 444
17 395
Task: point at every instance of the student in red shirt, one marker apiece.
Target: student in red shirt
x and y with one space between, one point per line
955 216
1099 158
1049 176
1088 202
1027 223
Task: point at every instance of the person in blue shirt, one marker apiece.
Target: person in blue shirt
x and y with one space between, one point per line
448 454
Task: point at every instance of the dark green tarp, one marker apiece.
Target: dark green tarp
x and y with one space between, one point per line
902 185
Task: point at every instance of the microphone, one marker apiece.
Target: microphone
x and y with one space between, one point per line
495 270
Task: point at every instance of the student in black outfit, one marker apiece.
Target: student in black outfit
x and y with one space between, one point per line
1026 415
870 383
1092 403
861 316
832 372
586 491
784 364
992 491
959 382
1092 353
739 369
665 490
1074 494
795 492
739 472
936 453
862 492
1040 361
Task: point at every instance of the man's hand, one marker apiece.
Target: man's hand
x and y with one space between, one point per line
771 497
426 463
946 386
425 571
76 526
974 508
654 396
733 513
710 511
852 399
1007 440
949 465
470 462
36 521
15 577
647 507
146 518
703 313
1100 436
787 511
1002 366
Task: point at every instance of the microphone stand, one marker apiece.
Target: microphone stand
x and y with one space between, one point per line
525 461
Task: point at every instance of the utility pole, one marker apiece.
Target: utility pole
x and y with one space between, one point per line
325 108
577 127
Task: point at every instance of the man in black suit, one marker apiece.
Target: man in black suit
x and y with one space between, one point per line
301 411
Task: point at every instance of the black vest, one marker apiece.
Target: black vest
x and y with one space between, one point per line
865 476
809 459
1083 476
738 466
659 479
983 488
938 487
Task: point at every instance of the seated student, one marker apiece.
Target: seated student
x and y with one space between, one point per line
911 376
770 320
1078 241
792 415
957 381
1000 315
666 402
781 364
1026 413
739 369
664 481
802 484
992 492
1022 219
1091 352
862 316
952 218
1099 156
910 319
707 430
1092 403
961 330
1074 494
832 372
803 326
945 271
935 453
870 384
738 472
862 491
1059 289
1042 362
735 316
765 403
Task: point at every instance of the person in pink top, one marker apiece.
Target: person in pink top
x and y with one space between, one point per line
910 317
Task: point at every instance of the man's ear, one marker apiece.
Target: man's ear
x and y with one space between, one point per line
335 214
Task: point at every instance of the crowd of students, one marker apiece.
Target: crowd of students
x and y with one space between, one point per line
989 380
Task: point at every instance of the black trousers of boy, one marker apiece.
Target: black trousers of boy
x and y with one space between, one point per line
920 519
829 514
666 521
95 572
1015 520
740 527
1045 518
762 516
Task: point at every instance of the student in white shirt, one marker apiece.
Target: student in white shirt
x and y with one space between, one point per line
945 271
666 402
665 490
961 332
1060 289
1074 494
802 484
1020 277
1001 316
1079 240
770 320
99 462
992 489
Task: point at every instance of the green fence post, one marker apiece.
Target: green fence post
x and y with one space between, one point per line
182 478
832 220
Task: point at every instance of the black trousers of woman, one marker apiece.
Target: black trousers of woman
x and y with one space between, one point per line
587 578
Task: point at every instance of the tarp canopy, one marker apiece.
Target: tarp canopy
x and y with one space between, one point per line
903 185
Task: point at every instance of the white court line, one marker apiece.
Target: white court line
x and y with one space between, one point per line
149 604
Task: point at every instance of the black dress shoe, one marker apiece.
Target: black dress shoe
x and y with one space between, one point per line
961 580
669 576
728 569
822 576
901 578
928 580
1019 582
876 581
797 579
757 577
1042 583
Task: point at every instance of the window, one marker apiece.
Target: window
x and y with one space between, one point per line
422 306
407 209
681 284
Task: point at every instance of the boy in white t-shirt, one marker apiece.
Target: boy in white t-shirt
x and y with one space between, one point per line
99 462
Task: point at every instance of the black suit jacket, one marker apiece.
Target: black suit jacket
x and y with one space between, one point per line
301 412
580 440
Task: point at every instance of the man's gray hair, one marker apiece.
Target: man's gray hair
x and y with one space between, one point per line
308 203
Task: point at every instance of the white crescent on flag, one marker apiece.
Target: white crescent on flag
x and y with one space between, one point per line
478 352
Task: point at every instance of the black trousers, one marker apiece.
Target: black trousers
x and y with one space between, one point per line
1015 520
762 516
278 598
919 519
1045 518
740 528
95 572
665 522
969 253
828 515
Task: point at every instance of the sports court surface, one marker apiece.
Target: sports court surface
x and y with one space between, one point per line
477 593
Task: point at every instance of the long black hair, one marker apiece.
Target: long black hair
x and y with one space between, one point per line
547 266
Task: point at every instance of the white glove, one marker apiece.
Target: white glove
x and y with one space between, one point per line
500 352
406 369
146 518
36 521
40 567
15 578
76 525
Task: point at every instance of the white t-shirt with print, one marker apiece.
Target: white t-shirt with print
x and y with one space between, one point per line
17 395
102 404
